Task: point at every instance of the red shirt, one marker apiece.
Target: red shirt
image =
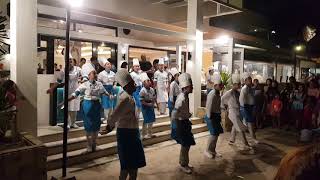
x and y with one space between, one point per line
276 105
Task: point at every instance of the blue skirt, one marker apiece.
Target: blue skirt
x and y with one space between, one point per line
247 113
214 124
181 132
130 149
91 115
107 103
136 96
148 114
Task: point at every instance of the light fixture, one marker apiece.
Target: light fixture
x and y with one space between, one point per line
75 3
80 30
222 40
61 21
255 30
273 32
298 48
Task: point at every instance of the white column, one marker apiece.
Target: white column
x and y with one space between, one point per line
123 51
178 57
23 53
194 66
230 56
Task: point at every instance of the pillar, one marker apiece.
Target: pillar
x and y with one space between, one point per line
23 55
178 57
194 66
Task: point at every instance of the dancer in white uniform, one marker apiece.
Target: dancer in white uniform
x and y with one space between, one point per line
162 86
107 78
230 100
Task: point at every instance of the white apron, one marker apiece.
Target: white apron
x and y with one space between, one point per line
74 75
162 86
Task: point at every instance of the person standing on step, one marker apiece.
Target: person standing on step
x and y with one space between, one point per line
135 74
92 90
147 98
174 89
130 149
162 86
74 105
247 105
213 117
230 101
181 124
107 78
92 64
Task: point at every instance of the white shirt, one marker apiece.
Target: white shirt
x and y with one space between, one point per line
213 103
106 78
74 77
136 77
161 78
231 99
181 109
246 96
174 90
91 90
125 115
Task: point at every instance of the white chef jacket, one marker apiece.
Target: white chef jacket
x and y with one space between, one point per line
174 90
231 99
136 78
246 96
91 90
162 86
106 78
74 77
181 109
213 103
125 115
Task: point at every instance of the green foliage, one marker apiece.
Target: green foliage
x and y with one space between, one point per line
226 79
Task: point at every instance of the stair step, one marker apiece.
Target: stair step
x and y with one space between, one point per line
81 142
57 135
78 157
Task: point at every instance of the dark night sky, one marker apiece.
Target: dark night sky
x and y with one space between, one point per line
289 17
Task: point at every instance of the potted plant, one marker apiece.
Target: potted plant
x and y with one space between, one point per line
227 84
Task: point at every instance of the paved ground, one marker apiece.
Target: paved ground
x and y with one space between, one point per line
162 160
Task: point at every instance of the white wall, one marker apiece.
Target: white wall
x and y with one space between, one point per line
43 100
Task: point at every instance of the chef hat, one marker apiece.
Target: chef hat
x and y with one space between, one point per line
136 62
123 77
144 77
235 78
245 75
174 71
185 80
161 61
216 78
103 62
87 68
210 68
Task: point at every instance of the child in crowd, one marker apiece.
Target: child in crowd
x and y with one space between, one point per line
285 98
297 98
213 117
306 122
276 108
259 106
174 89
147 98
130 149
181 130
